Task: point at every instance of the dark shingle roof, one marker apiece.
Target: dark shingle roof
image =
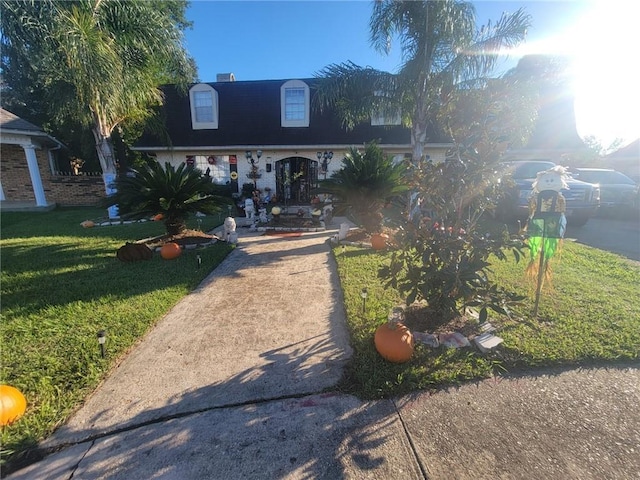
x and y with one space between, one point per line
630 151
13 123
9 121
249 114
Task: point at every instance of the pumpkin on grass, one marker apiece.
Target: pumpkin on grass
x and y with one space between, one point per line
393 340
379 241
170 251
12 404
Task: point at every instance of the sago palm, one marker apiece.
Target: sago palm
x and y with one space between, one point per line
176 193
366 182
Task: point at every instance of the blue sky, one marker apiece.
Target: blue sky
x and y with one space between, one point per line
259 40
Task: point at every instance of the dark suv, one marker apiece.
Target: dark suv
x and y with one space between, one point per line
583 199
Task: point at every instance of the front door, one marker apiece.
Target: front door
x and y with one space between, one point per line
295 177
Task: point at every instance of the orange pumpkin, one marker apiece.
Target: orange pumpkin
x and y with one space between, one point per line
158 217
12 404
88 224
170 251
394 342
379 241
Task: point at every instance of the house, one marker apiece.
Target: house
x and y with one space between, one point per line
626 160
554 136
30 180
27 151
265 133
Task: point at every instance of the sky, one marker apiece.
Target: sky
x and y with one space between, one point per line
263 40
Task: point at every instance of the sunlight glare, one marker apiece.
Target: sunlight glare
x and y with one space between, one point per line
603 46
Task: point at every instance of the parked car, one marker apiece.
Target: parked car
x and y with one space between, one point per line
582 198
617 191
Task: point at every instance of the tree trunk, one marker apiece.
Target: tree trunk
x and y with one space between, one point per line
105 151
175 225
104 148
419 127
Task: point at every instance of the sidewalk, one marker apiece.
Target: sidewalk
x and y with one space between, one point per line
236 383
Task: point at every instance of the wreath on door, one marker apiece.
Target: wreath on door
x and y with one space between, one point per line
211 160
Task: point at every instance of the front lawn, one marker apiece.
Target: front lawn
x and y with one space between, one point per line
61 284
591 315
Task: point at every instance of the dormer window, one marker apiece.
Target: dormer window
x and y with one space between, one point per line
204 107
294 104
385 118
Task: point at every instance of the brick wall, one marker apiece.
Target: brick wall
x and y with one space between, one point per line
74 190
71 190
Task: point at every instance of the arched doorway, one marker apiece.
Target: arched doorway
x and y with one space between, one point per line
295 177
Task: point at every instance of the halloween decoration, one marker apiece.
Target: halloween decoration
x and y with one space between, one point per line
393 340
170 250
12 404
379 241
88 224
546 224
133 252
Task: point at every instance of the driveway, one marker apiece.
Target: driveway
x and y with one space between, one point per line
613 235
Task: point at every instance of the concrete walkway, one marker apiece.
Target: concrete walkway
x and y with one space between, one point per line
236 383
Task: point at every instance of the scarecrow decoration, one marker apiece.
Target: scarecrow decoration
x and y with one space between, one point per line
546 224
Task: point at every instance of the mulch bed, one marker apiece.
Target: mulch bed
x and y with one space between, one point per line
274 233
186 238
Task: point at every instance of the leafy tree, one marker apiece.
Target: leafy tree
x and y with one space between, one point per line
441 49
97 63
366 182
174 193
442 85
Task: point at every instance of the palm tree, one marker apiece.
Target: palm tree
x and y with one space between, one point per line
366 182
98 62
441 49
174 193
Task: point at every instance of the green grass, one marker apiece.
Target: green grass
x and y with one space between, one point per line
61 284
590 315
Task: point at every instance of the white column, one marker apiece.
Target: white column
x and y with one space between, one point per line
34 172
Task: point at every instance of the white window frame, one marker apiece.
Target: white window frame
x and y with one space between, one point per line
294 84
378 118
195 124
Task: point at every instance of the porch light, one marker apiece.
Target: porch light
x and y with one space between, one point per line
250 159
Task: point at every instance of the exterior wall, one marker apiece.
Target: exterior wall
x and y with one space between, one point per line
16 181
62 190
74 190
268 179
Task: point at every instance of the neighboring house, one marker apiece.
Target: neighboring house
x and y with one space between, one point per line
625 160
27 154
223 127
28 170
555 135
